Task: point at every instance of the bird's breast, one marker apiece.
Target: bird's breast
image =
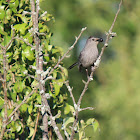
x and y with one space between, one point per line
88 56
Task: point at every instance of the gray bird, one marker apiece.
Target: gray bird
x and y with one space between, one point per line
89 53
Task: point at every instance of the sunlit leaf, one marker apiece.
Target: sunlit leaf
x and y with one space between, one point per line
67 121
28 53
19 86
66 108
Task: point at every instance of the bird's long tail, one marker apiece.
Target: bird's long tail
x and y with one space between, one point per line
73 65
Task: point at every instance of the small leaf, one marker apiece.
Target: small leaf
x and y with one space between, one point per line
57 89
8 14
94 123
49 47
13 96
31 132
39 98
2 12
90 121
9 56
9 111
6 40
28 53
2 29
66 108
21 28
23 108
19 86
67 121
1 102
30 109
18 126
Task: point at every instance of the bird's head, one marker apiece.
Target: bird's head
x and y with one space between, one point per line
95 40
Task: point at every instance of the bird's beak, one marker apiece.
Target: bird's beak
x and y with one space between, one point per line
99 39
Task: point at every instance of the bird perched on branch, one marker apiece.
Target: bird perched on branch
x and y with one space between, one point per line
89 53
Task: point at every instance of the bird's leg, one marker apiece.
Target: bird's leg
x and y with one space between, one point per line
87 73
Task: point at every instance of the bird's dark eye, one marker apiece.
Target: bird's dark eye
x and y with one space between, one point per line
93 39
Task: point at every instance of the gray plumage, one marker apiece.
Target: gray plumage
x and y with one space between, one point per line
89 53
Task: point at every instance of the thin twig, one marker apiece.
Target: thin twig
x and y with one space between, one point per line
37 119
91 75
5 93
52 119
87 108
5 84
22 39
70 91
25 99
59 61
66 134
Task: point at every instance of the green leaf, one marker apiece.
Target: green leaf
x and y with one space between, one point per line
18 126
2 30
21 28
16 53
66 108
13 5
19 86
30 109
31 132
49 47
9 54
1 103
67 121
39 98
28 38
6 41
2 112
13 96
2 12
57 89
94 123
72 109
90 121
8 14
28 53
57 50
34 84
23 108
9 111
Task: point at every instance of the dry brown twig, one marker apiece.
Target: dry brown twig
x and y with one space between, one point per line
37 119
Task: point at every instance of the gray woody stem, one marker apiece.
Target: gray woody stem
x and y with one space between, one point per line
39 68
91 75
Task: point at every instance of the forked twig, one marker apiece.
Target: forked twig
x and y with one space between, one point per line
93 69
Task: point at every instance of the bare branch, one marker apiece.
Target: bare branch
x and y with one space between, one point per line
93 69
22 39
65 55
43 15
37 119
70 91
26 13
25 99
52 119
87 108
66 134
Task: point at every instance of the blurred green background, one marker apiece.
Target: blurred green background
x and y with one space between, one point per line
115 91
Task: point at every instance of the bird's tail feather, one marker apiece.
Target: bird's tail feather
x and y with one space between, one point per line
73 65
